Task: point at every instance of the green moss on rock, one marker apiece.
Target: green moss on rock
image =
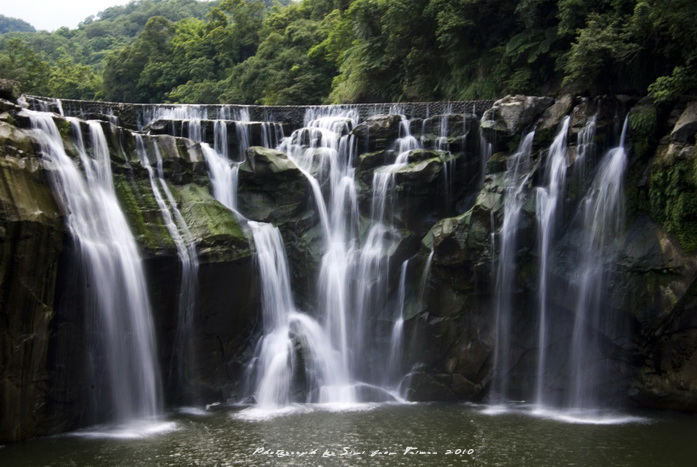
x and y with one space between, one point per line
143 215
217 231
643 123
672 194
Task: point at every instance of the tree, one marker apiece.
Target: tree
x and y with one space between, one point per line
22 64
8 24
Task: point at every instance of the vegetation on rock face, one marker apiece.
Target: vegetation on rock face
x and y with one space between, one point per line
672 194
318 51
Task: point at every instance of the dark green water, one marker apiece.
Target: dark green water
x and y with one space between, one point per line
445 434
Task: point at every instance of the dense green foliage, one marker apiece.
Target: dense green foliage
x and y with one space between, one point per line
314 51
14 25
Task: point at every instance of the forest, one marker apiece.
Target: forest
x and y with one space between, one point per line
348 51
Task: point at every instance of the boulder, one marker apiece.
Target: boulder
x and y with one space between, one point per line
377 133
449 125
551 119
416 175
686 126
271 187
554 114
512 115
9 90
369 161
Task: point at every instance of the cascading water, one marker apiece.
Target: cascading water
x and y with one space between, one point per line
223 175
585 146
149 114
188 259
333 357
288 336
220 140
442 144
118 310
352 279
339 220
516 182
603 218
397 336
243 131
549 200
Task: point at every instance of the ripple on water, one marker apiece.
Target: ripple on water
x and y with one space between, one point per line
256 413
130 430
575 416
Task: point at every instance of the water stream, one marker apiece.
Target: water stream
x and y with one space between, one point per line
549 201
118 312
188 260
516 183
602 211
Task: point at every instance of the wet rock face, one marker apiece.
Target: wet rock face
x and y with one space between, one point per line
510 116
377 133
272 188
31 239
652 274
686 127
659 264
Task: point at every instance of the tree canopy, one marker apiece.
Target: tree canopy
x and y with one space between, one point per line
8 24
330 51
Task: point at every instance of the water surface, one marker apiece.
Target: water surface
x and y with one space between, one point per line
367 434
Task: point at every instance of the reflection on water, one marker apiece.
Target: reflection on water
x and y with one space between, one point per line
375 434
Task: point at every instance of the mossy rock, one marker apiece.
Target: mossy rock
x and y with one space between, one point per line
643 123
217 231
672 189
143 215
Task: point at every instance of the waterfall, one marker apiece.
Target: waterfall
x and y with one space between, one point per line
276 355
383 177
352 284
271 134
188 259
220 140
243 131
486 149
149 114
294 360
372 272
397 336
117 305
549 200
223 175
603 218
585 150
517 177
290 335
339 219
